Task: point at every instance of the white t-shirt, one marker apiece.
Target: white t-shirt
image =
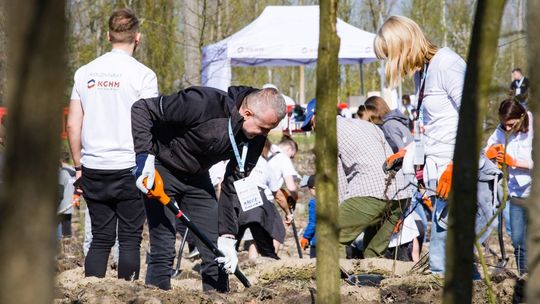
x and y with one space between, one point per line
281 165
107 88
519 148
263 177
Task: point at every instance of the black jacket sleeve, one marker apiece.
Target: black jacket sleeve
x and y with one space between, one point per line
185 108
229 205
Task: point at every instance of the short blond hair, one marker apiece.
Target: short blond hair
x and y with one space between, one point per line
403 45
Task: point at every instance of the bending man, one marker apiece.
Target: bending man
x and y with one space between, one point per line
182 136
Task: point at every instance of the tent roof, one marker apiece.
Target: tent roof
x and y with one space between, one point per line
288 35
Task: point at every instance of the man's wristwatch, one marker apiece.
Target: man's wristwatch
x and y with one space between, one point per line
78 168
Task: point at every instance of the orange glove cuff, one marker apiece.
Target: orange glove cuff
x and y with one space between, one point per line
392 158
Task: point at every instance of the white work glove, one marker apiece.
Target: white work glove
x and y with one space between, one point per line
230 260
145 169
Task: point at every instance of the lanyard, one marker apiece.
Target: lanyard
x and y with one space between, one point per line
420 116
519 83
240 160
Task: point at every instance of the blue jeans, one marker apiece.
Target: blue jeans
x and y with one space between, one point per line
418 207
437 241
518 223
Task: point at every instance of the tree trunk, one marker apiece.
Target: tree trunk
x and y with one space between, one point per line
28 200
326 155
3 51
533 205
192 34
461 233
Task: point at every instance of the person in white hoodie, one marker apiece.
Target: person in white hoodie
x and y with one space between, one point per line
439 74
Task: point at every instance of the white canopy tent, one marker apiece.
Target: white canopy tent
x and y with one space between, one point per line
281 36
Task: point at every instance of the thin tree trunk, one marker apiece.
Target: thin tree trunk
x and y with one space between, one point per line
533 205
192 40
29 197
326 154
3 50
461 233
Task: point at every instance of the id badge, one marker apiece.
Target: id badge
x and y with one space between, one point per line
248 194
419 153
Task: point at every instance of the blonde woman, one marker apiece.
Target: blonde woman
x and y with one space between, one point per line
438 74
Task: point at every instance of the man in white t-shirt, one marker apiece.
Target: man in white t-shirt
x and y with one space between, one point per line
99 129
280 160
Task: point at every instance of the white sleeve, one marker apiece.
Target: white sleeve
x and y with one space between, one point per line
453 78
75 94
287 167
150 86
493 139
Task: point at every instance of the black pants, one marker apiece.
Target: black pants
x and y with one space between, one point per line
263 241
312 252
113 201
65 223
197 199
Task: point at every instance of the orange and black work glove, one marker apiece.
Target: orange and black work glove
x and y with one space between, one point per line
507 159
304 243
493 151
77 192
393 163
445 182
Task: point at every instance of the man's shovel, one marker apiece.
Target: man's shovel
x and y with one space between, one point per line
158 192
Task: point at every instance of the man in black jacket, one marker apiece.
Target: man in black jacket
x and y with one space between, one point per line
182 136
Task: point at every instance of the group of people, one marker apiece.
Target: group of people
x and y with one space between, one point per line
125 138
122 133
418 155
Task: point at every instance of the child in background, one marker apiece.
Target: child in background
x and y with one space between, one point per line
366 112
309 234
66 188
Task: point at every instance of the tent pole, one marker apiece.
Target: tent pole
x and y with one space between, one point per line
361 78
302 86
269 75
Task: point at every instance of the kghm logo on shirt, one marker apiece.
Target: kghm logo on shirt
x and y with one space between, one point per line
91 83
103 84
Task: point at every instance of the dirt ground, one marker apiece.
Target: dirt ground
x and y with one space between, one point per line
289 280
